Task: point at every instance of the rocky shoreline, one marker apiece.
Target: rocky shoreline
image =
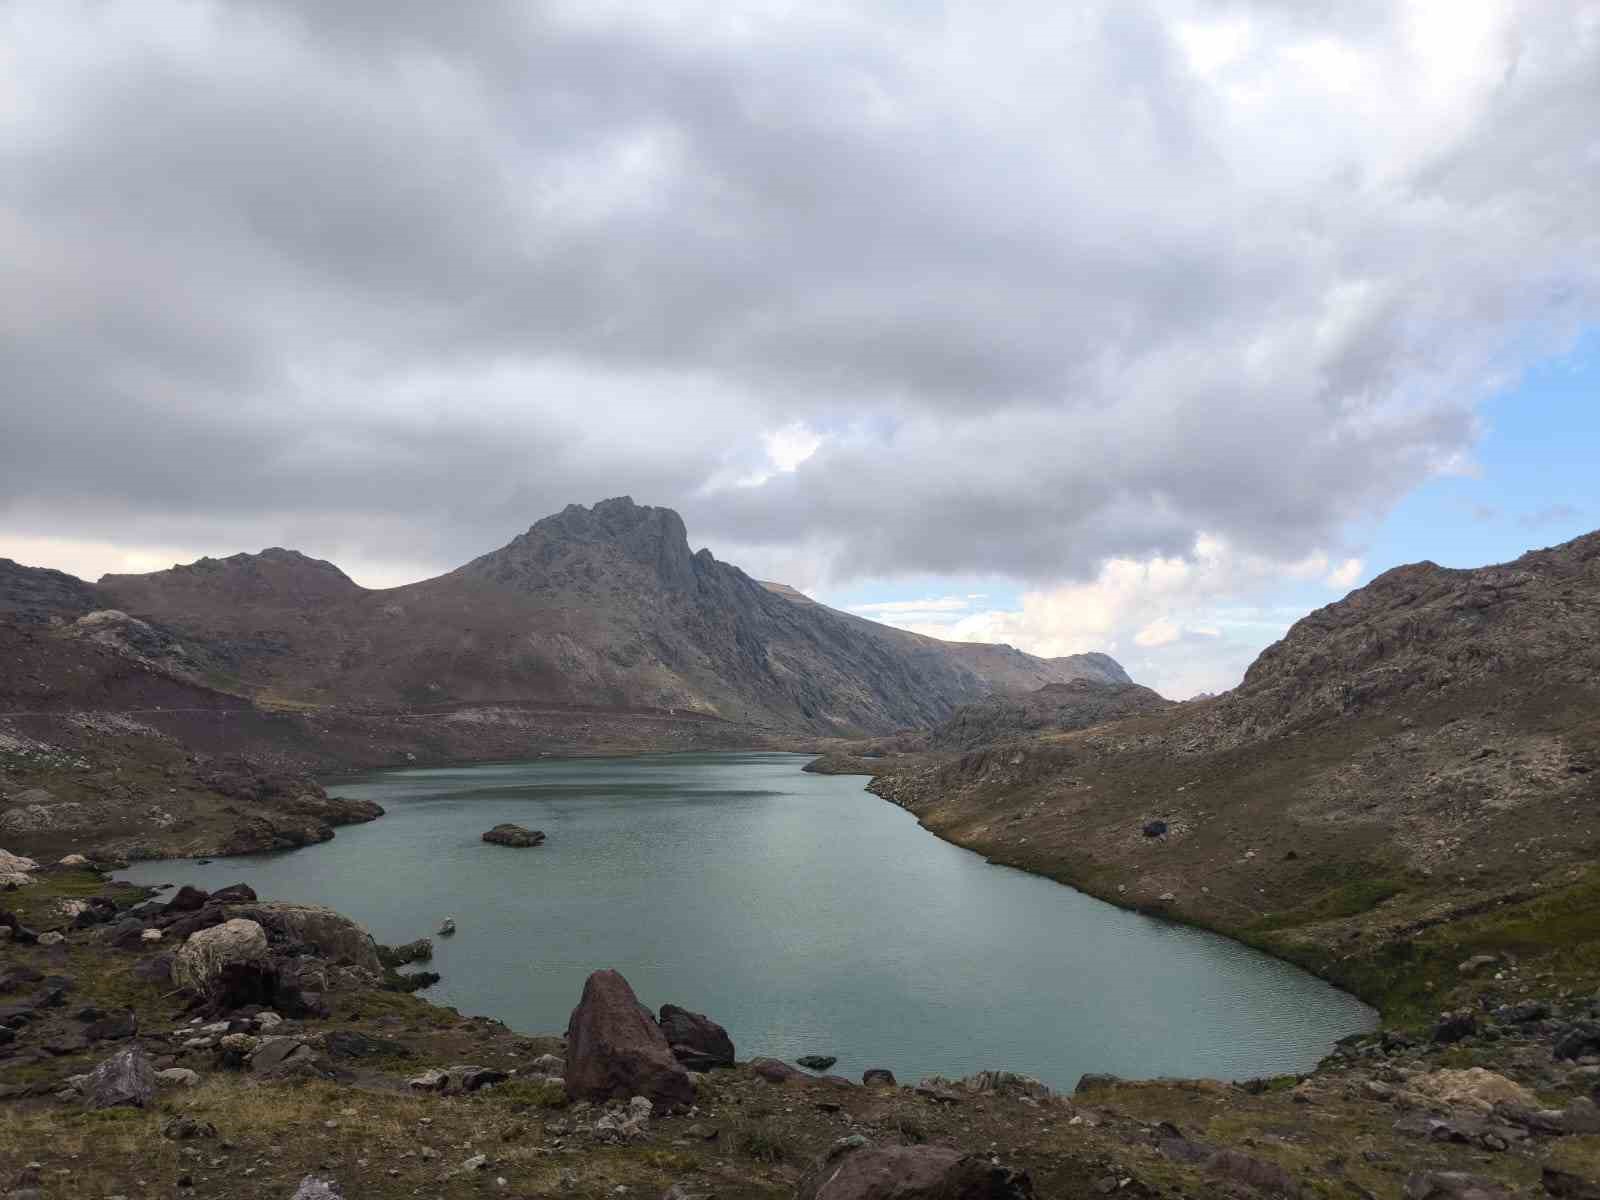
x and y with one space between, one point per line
238 1048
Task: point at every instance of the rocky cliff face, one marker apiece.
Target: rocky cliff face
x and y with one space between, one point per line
595 606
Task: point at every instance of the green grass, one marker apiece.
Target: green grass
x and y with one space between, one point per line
1409 981
1348 899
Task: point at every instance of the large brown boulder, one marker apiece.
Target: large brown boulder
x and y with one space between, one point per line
697 1041
911 1173
615 1049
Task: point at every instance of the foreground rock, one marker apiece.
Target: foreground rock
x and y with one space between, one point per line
327 934
910 1173
615 1049
507 834
212 960
697 1041
125 1079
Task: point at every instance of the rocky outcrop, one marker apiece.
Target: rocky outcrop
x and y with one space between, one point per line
507 834
321 931
697 1041
615 1049
910 1173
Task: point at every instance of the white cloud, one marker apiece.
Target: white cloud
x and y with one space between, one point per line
1345 574
1160 632
1182 625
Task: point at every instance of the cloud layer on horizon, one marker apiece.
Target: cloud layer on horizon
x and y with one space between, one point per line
1012 290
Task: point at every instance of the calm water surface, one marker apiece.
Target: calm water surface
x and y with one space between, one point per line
801 912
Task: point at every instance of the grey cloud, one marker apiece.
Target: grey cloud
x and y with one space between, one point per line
414 275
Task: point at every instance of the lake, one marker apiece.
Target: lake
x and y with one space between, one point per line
801 912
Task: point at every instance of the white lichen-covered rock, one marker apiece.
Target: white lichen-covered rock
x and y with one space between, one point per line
202 958
14 869
1472 1088
74 860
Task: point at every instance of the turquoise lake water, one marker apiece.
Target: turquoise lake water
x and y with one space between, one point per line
804 914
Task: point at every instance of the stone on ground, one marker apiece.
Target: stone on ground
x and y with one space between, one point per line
910 1173
615 1049
124 1079
697 1041
202 959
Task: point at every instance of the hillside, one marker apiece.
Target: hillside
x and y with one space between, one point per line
599 606
1422 751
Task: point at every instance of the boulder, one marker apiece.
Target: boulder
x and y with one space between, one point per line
74 860
186 900
1452 1185
878 1077
507 834
910 1173
615 1049
313 1188
325 933
124 1079
1567 1186
234 893
16 870
178 1077
1580 1038
774 1070
420 950
281 1056
1094 1082
20 933
52 938
235 946
697 1041
1264 1176
1473 1088
816 1062
1454 1026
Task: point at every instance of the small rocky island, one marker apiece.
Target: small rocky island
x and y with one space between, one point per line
507 834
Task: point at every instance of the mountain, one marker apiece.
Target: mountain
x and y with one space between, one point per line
1404 761
603 606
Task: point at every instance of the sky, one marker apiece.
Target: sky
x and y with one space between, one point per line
1142 326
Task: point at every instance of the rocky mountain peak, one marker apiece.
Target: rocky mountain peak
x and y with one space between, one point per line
642 534
275 578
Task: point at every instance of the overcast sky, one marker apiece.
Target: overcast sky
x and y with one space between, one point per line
1089 322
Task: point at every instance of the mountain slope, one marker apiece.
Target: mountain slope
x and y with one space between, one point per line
595 606
1427 746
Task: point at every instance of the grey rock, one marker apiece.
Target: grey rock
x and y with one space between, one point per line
313 1188
125 1079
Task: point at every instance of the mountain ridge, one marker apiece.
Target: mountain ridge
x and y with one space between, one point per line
605 604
